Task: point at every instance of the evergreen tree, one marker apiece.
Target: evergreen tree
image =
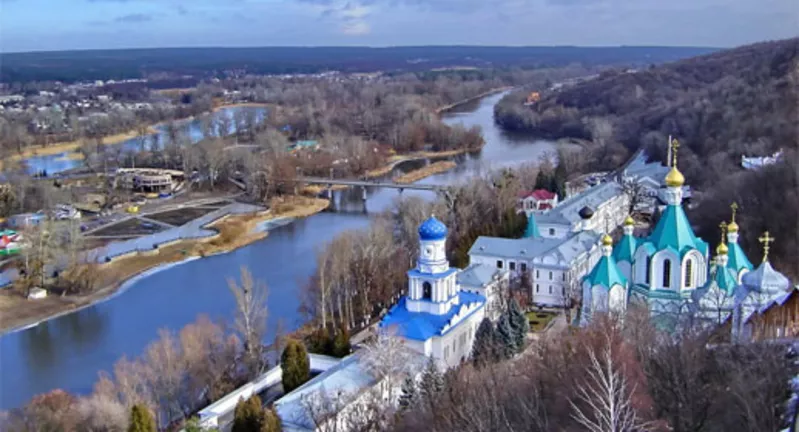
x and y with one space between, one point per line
519 324
341 343
408 397
432 380
295 365
484 347
272 421
542 180
141 420
248 415
560 180
506 340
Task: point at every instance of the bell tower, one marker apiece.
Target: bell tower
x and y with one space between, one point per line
432 286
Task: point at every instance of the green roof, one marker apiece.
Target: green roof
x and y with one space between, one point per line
532 228
737 259
674 231
625 249
606 274
724 278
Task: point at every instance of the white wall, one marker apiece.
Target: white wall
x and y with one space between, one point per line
456 345
553 230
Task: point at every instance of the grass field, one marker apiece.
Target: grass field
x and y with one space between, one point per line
539 320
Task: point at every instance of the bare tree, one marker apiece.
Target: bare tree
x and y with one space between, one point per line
250 321
605 403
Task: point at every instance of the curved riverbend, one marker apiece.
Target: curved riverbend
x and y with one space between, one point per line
68 352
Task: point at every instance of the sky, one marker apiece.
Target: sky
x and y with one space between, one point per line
36 25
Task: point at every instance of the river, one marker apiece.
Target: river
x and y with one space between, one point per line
69 351
191 128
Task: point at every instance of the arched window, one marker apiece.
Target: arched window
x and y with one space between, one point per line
427 291
666 273
648 268
689 275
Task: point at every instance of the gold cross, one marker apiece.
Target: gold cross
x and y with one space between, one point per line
723 226
766 240
734 207
674 145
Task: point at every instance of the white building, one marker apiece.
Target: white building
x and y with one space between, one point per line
537 200
437 318
596 209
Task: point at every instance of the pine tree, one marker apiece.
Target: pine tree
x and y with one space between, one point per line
560 180
141 420
484 347
248 415
519 324
341 343
505 337
272 421
295 365
432 381
542 180
408 396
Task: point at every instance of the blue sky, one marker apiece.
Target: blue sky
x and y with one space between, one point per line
32 25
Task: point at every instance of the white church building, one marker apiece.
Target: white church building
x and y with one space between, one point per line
437 318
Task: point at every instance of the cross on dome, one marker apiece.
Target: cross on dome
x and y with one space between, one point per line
766 240
733 226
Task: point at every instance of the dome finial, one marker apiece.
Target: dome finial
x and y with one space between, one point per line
722 248
607 240
733 226
674 178
766 240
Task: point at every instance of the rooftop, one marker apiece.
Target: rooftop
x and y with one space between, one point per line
567 212
422 326
477 275
564 250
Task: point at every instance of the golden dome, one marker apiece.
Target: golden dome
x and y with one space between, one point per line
607 240
629 221
674 178
721 249
732 227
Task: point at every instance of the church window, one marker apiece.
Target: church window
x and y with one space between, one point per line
563 290
648 268
512 265
564 276
552 232
689 279
666 273
427 291
499 264
536 274
524 267
550 289
536 287
550 275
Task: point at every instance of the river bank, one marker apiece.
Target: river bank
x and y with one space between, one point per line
233 232
424 172
445 108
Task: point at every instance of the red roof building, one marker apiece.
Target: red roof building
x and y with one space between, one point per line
537 200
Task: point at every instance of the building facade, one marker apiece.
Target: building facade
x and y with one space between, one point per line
437 318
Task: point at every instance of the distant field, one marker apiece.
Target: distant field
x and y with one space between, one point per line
69 66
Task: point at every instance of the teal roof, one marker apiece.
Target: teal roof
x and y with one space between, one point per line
674 231
737 259
606 274
625 249
724 278
532 227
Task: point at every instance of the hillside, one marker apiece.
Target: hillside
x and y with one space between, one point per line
721 106
137 63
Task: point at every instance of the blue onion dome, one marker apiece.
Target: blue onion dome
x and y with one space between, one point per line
432 229
765 279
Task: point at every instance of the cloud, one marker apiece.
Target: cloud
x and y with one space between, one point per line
134 18
356 28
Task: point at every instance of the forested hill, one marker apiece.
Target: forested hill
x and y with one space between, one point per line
721 106
140 63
